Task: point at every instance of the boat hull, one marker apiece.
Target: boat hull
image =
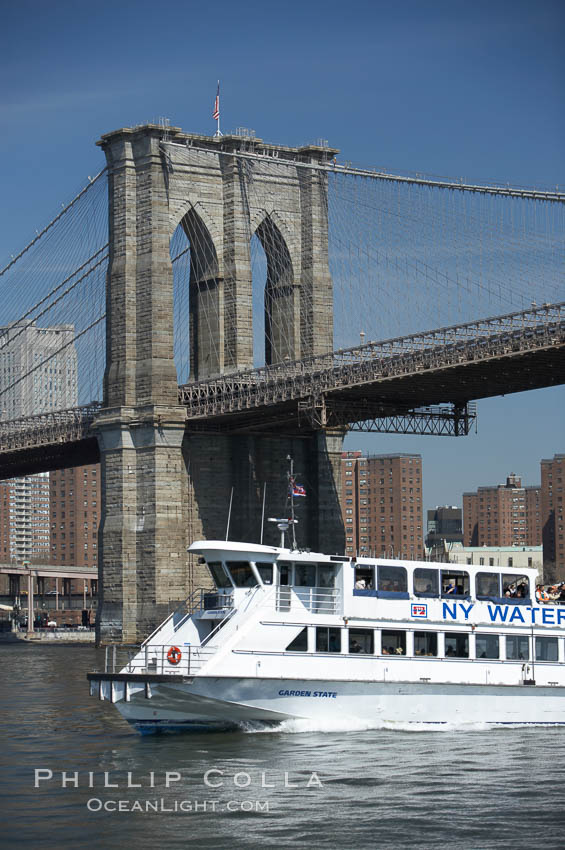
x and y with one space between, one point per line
213 704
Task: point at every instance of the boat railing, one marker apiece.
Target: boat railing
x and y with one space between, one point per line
250 598
220 625
166 659
316 600
201 599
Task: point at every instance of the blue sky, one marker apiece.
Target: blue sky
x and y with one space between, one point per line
455 88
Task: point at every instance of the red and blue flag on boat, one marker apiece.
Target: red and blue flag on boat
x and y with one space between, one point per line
297 490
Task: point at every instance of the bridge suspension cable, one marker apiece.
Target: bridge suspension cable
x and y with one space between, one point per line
54 221
405 255
375 174
52 344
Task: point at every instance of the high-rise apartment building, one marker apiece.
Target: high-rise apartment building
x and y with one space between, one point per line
75 512
503 515
34 378
38 373
381 500
553 519
24 520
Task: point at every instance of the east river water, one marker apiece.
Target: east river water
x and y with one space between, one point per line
340 787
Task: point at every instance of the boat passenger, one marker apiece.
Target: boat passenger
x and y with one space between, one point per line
360 584
355 646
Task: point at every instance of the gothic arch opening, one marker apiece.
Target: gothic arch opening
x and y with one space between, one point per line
196 300
281 306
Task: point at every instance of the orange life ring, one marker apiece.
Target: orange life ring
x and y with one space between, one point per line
174 655
542 595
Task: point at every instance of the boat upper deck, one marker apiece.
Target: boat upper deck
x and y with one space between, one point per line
378 588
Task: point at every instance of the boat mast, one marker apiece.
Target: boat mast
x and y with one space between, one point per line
283 524
290 475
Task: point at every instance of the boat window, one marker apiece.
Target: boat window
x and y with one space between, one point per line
518 647
456 645
299 643
284 574
392 579
361 641
487 585
426 582
515 587
393 642
487 646
425 643
242 574
326 575
364 578
220 576
546 649
305 575
265 571
328 640
454 583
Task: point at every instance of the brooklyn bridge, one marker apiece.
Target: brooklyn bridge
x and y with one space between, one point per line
221 303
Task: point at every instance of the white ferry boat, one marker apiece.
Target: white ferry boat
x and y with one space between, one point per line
297 634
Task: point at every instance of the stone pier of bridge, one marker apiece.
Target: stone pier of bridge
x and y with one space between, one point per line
164 486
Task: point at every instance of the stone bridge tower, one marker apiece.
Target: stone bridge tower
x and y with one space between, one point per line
164 486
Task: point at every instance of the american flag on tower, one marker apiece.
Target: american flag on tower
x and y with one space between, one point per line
216 112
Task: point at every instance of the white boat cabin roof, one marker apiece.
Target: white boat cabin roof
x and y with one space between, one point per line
222 550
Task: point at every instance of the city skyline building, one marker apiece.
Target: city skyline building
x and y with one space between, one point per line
24 519
38 369
74 504
497 556
38 373
503 515
381 500
444 526
553 521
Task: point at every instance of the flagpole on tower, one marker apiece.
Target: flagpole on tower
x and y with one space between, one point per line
216 112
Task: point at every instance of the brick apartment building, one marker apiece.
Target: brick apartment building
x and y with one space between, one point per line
553 522
503 515
381 501
74 504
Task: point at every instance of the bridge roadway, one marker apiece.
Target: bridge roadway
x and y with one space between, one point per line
49 571
375 385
